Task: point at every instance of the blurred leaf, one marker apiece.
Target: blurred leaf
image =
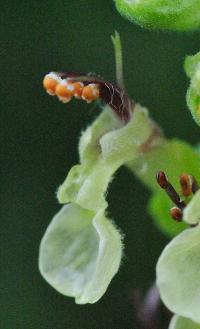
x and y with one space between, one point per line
159 206
179 15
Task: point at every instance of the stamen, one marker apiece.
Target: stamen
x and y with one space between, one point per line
186 184
171 192
176 213
89 88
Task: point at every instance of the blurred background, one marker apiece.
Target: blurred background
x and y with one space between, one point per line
39 138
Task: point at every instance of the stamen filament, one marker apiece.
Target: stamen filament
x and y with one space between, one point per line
195 185
171 192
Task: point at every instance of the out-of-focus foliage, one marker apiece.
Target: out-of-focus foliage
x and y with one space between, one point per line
192 68
181 15
159 206
174 157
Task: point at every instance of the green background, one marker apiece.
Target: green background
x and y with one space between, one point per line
39 138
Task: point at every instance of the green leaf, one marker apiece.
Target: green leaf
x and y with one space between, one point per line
178 271
159 206
80 253
178 322
179 15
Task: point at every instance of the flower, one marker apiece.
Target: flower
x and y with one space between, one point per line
81 249
179 264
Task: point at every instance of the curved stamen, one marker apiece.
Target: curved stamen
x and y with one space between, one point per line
89 87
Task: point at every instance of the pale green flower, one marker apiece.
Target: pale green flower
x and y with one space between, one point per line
178 269
81 249
80 253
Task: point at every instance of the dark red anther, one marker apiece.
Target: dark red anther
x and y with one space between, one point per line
171 192
186 184
162 179
176 214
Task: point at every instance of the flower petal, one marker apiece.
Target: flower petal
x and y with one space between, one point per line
80 253
178 271
191 213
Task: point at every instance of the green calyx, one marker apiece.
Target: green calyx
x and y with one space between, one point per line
181 15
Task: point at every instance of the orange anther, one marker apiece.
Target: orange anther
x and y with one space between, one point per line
90 92
50 82
64 91
78 88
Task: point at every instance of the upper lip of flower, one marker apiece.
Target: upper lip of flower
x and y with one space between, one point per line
108 93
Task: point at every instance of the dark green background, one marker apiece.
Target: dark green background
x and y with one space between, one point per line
39 138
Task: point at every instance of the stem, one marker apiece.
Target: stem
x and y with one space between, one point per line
118 59
150 312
